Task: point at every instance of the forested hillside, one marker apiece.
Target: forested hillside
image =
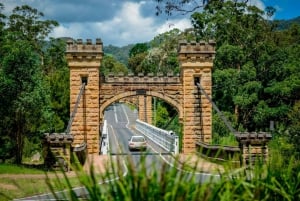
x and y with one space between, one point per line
286 24
119 53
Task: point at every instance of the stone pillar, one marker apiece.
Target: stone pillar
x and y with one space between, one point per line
149 109
253 146
196 62
84 60
145 108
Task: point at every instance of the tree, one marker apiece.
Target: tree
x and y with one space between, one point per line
162 57
138 49
162 115
110 65
187 6
25 24
294 128
25 101
136 56
2 29
135 63
244 46
57 74
23 94
169 7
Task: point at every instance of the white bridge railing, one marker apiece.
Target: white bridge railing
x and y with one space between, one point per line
104 147
165 139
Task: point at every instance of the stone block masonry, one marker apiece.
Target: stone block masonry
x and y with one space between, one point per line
196 62
84 59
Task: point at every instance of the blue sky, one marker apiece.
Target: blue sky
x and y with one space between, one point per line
285 9
123 22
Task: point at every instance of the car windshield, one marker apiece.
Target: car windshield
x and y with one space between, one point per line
138 139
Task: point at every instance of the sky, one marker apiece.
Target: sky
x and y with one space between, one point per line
123 22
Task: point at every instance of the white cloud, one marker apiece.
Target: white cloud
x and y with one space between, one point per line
128 26
181 24
115 22
258 3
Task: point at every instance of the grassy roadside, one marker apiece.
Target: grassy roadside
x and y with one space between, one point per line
20 181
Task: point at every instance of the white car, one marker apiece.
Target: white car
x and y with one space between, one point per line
137 142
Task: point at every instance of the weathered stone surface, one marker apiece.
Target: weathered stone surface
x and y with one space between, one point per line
196 61
84 60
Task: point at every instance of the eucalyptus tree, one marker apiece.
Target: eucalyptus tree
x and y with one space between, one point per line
56 73
163 53
26 23
25 94
256 66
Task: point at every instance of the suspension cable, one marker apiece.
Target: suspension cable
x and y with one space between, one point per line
75 108
170 121
217 109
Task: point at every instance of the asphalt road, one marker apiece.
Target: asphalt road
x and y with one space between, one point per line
121 123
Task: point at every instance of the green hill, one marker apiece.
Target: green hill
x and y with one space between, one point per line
285 24
121 54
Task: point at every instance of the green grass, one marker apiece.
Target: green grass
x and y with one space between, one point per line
11 187
229 140
18 169
17 181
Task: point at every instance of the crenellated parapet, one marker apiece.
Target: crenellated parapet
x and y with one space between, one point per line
196 51
141 79
87 52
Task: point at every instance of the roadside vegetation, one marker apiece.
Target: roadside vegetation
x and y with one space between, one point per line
152 182
257 182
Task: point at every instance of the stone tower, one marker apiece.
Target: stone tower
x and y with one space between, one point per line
196 62
84 59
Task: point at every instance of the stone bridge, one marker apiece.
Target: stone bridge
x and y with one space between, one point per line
180 91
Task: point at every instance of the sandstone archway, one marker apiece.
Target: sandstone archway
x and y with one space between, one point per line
196 62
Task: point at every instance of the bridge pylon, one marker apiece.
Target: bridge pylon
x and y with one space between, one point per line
196 62
84 60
